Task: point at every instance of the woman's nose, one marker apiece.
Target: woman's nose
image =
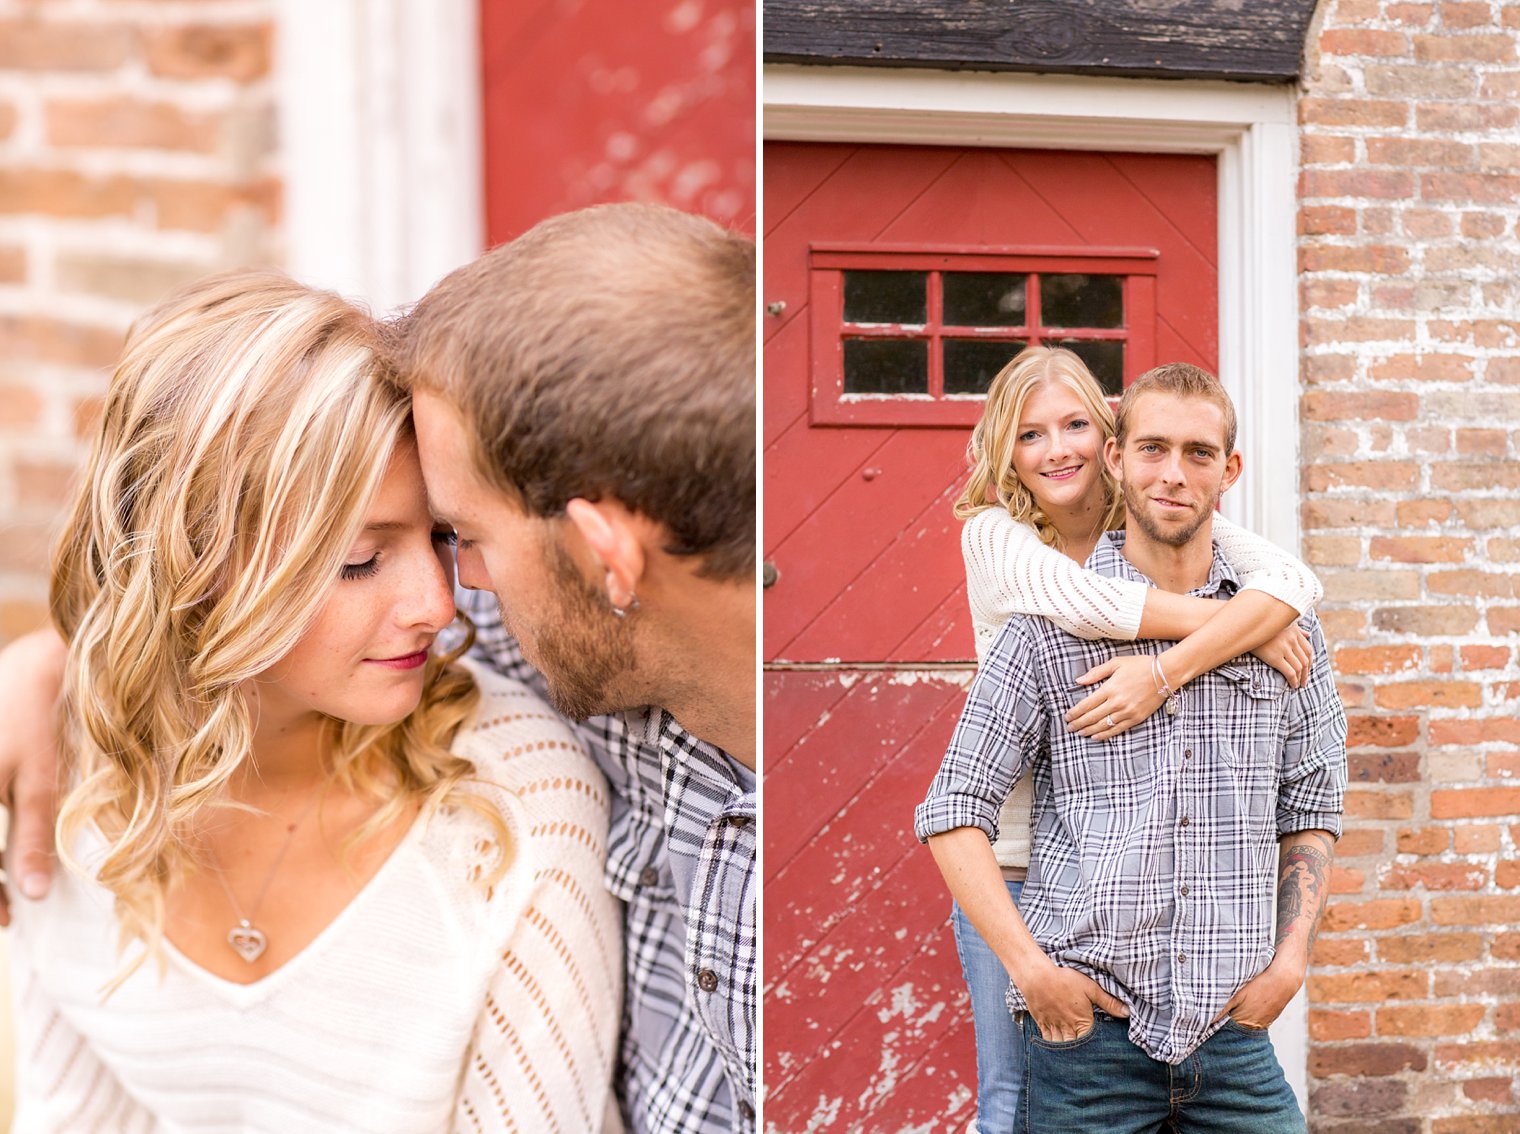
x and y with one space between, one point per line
430 601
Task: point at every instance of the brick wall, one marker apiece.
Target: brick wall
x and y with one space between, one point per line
1410 257
136 153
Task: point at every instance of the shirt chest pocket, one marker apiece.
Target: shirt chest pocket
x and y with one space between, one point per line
1247 702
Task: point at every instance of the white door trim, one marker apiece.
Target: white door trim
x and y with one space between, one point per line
380 143
1250 127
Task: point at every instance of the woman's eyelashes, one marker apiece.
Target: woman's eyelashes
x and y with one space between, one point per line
445 536
361 570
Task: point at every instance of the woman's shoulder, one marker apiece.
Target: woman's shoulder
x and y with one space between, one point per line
520 745
995 523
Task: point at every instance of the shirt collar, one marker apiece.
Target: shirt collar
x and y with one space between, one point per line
1108 559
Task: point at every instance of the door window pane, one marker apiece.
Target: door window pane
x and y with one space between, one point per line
1082 301
1104 359
886 297
886 366
984 299
972 364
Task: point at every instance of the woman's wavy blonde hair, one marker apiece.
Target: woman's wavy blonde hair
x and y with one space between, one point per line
993 481
246 429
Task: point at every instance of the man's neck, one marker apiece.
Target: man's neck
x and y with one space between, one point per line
702 655
1178 569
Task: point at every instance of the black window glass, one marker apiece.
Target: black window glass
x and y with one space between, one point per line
1104 359
1082 301
886 366
984 299
972 364
886 297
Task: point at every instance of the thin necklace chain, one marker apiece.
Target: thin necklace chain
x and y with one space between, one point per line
221 876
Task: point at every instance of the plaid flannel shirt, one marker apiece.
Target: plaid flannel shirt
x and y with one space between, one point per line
1154 860
681 856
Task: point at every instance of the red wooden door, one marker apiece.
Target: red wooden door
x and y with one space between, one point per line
867 635
617 100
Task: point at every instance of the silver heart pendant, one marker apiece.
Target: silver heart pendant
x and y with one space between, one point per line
247 942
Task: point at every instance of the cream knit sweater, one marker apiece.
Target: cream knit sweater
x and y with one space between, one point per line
429 1004
1009 571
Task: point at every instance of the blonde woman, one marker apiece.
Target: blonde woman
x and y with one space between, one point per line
322 877
1038 497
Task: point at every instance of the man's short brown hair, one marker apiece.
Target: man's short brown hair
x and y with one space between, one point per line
1185 381
607 352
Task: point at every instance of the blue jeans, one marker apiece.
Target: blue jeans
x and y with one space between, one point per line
999 1043
1233 1084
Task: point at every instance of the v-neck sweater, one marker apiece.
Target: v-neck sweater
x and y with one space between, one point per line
430 1003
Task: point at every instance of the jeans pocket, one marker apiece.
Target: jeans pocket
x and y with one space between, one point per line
1032 1035
1235 1025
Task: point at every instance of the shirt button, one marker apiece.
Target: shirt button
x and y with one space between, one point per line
707 980
1184 891
648 876
1185 821
746 1109
1182 958
738 820
1187 753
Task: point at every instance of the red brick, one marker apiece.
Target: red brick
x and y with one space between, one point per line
1485 188
1459 14
1504 550
1475 910
55 45
1483 225
12 265
8 123
1475 1051
1495 1090
1426 621
1473 584
1347 880
1464 48
1430 694
1483 730
1429 948
1329 367
1507 874
1425 367
1443 659
1321 149
1416 513
1482 442
1435 876
1475 838
1388 475
20 407
1420 549
1350 513
1374 259
1474 1124
210 51
1322 330
1505 947
1319 293
1504 619
205 206
1426 223
1409 152
1410 15
130 123
1429 1019
1358 841
64 193
1375 1059
1326 1026
1506 370
1475 476
1456 118
1325 405
1465 982
1340 952
1381 913
1382 731
1413 81
1423 840
1315 110
1363 1098
1383 660
1363 41
50 340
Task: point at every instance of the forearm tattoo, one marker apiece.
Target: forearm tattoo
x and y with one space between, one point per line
1302 880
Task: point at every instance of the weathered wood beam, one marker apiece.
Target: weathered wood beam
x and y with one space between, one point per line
1247 40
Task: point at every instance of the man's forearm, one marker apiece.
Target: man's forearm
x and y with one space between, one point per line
1303 883
965 858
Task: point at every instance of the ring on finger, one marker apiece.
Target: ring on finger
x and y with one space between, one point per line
1110 720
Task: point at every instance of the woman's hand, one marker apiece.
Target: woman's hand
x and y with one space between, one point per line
1127 696
31 671
1289 653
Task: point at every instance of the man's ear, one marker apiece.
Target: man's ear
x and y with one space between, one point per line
1233 466
1112 457
609 532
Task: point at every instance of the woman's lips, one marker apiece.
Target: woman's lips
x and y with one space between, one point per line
405 661
1063 474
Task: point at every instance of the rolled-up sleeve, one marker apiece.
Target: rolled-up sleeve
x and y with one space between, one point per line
1000 728
1312 790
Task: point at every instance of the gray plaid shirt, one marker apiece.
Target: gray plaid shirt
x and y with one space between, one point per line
681 856
1154 861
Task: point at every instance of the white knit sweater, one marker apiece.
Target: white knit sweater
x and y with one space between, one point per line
1009 571
429 1004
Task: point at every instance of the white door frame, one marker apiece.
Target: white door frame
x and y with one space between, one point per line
380 143
1251 128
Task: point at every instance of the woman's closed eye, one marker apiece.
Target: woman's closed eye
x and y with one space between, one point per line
445 536
361 570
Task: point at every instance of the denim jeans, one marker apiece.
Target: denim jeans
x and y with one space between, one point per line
1233 1084
999 1042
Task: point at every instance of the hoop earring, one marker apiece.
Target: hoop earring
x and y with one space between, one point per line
625 611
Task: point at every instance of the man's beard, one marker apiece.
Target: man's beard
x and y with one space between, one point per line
582 647
1172 536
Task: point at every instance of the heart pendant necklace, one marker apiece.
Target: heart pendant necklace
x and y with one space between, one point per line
247 940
